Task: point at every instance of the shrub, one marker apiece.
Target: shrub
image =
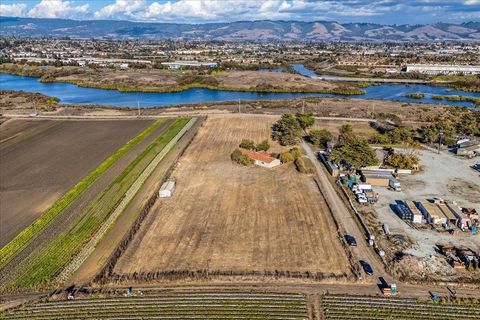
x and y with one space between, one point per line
305 165
295 152
247 144
286 157
263 146
238 157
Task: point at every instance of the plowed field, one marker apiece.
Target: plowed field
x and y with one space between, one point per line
41 159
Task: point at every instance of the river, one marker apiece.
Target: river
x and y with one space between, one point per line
72 94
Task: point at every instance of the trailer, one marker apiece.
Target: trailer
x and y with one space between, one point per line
167 189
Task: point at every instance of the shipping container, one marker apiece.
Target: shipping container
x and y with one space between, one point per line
167 189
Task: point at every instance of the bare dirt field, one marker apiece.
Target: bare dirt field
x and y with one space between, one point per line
224 217
41 159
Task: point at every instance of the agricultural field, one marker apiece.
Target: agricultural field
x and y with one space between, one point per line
365 308
228 219
172 305
97 216
39 162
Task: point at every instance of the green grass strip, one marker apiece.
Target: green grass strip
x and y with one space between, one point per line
28 234
55 256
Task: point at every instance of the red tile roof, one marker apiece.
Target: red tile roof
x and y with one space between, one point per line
260 156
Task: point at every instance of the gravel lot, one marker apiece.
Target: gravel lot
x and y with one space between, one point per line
443 175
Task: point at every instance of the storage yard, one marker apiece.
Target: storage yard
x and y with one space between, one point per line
227 219
434 195
39 162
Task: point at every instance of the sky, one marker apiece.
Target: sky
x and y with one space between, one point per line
204 11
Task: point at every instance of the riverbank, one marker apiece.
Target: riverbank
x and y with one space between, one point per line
160 81
320 106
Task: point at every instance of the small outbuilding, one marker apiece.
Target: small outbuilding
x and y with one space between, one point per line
167 189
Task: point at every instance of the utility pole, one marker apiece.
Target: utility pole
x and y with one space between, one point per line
238 105
138 106
440 141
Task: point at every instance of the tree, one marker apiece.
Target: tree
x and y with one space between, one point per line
346 134
305 120
467 124
320 137
400 135
402 160
378 138
263 146
355 152
247 144
287 130
440 128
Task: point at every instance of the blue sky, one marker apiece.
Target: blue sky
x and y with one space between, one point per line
202 11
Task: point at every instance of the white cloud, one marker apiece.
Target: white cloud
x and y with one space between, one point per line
59 9
13 10
121 9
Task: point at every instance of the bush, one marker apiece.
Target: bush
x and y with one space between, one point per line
305 165
286 157
295 152
263 146
247 144
238 157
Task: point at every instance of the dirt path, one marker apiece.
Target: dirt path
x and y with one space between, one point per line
362 251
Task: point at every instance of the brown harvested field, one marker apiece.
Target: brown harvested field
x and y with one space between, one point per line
41 159
225 217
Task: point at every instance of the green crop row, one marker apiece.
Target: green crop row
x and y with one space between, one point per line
51 260
27 235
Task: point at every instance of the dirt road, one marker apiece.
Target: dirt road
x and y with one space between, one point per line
344 217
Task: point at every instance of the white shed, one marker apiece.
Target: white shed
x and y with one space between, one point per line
167 189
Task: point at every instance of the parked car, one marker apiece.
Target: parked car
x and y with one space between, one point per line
366 267
351 240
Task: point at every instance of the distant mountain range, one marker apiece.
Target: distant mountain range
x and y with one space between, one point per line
240 31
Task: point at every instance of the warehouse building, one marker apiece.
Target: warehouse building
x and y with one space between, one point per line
193 64
443 69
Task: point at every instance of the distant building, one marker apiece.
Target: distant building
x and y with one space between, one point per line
262 158
195 64
442 69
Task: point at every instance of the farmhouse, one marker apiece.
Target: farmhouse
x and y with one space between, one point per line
262 158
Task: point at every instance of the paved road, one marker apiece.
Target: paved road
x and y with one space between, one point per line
344 217
389 80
